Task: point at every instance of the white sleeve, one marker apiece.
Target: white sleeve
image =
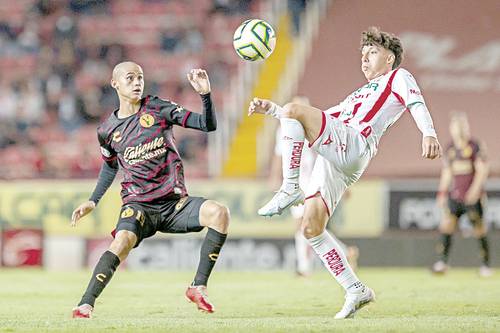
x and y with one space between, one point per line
277 145
406 89
423 119
336 108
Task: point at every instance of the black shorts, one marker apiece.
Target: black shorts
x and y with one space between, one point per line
458 209
144 219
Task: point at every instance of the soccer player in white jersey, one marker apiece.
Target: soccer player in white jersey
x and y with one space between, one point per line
303 250
346 138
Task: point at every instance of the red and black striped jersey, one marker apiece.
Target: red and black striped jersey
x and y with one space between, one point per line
461 163
143 145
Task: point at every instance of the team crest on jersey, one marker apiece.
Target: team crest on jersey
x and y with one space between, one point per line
467 152
147 120
128 212
117 136
180 203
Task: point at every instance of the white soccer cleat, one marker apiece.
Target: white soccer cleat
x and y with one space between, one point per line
439 267
485 271
354 302
281 201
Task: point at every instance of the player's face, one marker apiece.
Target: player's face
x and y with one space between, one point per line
375 61
130 83
459 129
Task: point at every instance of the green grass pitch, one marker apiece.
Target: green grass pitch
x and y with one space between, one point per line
408 300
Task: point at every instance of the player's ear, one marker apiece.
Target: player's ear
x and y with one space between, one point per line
391 58
114 84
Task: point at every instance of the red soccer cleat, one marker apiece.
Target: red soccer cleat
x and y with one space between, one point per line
198 295
83 311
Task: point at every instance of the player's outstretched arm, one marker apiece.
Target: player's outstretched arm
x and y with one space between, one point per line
104 181
444 185
207 120
262 106
199 80
475 191
431 148
81 211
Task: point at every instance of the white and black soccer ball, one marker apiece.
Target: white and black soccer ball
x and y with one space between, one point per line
254 40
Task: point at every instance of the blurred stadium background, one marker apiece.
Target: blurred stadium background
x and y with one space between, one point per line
55 62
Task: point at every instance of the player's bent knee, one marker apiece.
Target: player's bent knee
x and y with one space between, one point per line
219 216
122 244
479 229
447 227
311 229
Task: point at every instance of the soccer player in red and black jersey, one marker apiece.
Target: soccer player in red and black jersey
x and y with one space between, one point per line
461 190
138 139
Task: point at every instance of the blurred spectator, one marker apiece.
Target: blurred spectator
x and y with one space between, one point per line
89 7
231 7
28 39
56 61
171 40
45 7
71 110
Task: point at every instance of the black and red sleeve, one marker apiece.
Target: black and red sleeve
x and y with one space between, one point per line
178 115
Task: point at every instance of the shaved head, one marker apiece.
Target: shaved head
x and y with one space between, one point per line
125 67
128 81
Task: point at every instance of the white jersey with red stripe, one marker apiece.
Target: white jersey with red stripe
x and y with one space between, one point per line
374 107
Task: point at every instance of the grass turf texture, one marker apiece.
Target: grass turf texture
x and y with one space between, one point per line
408 300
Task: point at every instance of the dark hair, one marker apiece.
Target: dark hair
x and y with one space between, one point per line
374 36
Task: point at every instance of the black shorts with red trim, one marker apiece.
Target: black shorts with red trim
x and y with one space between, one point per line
458 208
144 219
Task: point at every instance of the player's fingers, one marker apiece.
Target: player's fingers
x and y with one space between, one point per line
251 108
435 151
427 151
74 218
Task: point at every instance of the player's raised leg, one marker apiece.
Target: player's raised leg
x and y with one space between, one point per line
297 122
333 257
216 217
103 272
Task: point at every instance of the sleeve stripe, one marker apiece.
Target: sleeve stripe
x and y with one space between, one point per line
411 104
107 159
185 118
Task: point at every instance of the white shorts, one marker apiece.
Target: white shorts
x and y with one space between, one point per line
343 155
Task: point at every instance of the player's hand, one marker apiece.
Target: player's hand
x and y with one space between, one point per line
442 199
430 147
199 80
472 196
81 211
258 105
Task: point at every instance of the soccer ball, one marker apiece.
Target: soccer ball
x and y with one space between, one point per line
254 40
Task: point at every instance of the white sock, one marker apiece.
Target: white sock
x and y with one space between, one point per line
334 259
301 250
292 142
